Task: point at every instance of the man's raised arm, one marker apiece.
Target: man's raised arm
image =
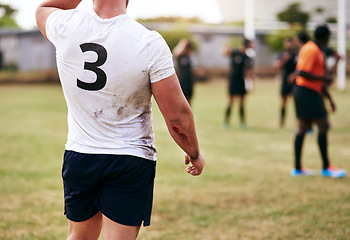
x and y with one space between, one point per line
47 7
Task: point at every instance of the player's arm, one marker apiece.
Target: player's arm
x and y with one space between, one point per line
310 76
327 94
179 120
44 10
226 50
249 73
291 77
180 48
279 63
249 69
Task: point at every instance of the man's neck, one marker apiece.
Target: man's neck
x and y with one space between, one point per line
321 44
109 8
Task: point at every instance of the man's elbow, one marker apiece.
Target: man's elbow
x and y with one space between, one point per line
177 118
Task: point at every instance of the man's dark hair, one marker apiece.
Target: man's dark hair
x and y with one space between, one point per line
303 37
322 33
246 42
288 39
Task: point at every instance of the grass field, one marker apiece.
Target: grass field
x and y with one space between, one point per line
245 192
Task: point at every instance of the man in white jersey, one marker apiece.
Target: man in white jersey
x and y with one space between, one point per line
109 67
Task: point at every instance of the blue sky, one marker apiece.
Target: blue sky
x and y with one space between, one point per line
205 9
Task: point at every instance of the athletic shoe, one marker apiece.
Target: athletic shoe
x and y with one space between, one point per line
243 125
309 131
225 126
303 172
333 172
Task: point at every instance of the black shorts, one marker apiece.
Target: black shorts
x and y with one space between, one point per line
237 86
308 103
187 87
119 186
286 88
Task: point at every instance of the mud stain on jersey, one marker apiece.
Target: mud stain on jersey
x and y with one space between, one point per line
140 98
98 114
145 118
120 111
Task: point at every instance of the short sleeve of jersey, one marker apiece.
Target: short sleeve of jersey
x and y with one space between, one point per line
249 62
306 60
56 24
160 65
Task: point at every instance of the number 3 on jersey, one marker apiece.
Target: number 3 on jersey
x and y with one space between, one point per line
101 78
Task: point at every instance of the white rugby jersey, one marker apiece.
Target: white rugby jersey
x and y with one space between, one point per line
106 67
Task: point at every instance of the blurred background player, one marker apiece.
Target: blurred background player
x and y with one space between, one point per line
182 53
301 39
241 68
287 62
332 59
309 102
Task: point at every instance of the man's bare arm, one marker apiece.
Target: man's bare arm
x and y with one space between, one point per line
226 50
278 64
180 48
327 94
47 7
179 120
326 78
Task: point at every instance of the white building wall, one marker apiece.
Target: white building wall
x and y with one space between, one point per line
36 53
267 10
9 46
209 53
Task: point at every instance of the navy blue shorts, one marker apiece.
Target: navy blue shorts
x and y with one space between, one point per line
119 186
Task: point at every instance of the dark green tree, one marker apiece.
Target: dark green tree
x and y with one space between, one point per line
331 20
173 37
293 14
171 20
7 19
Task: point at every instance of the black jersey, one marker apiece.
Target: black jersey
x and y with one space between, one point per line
185 74
289 66
239 62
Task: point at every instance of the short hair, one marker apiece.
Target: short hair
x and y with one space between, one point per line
303 37
288 39
322 32
246 42
189 45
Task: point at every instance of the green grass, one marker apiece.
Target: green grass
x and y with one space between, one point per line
245 191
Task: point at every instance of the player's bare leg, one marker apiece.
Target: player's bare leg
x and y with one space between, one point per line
116 231
87 230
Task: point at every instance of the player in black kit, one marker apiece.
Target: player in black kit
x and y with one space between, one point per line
240 68
287 62
182 53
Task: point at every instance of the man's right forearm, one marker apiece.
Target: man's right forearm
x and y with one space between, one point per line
182 130
179 120
177 114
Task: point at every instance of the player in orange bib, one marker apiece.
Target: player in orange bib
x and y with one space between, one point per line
309 104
